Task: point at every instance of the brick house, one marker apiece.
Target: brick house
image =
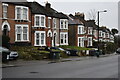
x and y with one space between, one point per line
83 30
16 22
105 35
47 27
30 23
76 33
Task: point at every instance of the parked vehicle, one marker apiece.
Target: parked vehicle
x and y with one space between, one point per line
13 55
4 54
7 54
61 49
73 52
118 51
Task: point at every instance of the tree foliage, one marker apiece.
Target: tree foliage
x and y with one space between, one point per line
114 31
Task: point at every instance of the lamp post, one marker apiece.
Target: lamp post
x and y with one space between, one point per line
98 25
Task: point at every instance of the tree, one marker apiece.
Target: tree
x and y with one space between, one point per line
114 31
92 14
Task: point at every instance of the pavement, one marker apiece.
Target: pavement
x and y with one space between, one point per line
18 63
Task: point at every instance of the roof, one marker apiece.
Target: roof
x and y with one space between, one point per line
72 21
39 9
90 23
36 8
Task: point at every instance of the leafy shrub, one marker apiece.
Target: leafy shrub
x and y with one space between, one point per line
5 41
25 55
111 47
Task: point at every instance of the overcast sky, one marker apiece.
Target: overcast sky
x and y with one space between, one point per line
109 19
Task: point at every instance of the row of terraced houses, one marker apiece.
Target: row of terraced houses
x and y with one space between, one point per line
29 23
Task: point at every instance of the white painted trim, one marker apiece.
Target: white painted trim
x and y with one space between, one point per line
39 20
5 23
64 33
49 18
50 33
54 22
4 4
82 29
90 42
83 44
21 7
40 38
22 25
64 20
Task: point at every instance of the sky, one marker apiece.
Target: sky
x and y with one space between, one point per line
109 19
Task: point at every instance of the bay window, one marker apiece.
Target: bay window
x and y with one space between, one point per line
80 29
63 24
64 38
81 41
39 21
89 41
22 33
40 38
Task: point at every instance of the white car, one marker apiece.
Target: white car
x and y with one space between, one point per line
13 55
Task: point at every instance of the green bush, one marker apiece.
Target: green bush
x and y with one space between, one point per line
25 55
111 47
5 41
63 55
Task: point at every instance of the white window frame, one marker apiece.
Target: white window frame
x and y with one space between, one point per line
54 22
49 24
22 17
40 38
5 12
64 20
100 34
81 42
22 25
90 41
64 33
90 30
80 29
39 21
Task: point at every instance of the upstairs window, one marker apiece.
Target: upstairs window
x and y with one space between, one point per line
25 13
54 22
42 21
49 22
21 13
63 24
39 21
81 29
89 30
5 10
100 33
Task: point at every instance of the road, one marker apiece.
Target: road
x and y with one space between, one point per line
104 67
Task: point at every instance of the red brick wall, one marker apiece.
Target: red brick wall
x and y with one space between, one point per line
12 22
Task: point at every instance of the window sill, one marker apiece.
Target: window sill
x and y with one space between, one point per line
4 18
22 41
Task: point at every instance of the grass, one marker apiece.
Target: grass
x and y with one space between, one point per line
75 47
